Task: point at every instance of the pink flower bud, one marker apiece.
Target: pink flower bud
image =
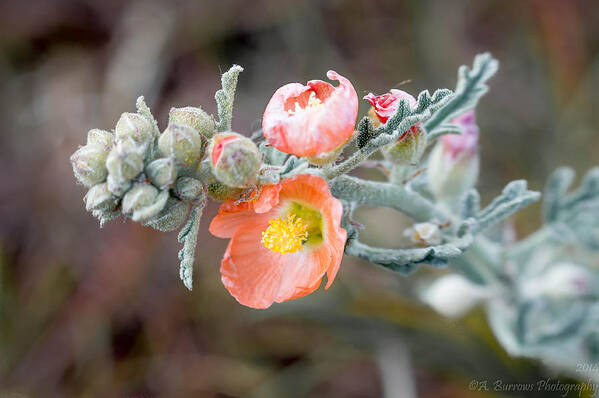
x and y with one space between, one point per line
466 143
453 162
386 105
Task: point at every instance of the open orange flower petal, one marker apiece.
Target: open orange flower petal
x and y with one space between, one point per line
257 276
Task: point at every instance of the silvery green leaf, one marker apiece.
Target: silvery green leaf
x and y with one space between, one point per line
189 236
406 260
272 155
171 217
225 96
514 197
557 186
369 139
444 129
470 88
144 111
573 216
470 204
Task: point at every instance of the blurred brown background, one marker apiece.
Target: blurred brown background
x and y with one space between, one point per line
88 312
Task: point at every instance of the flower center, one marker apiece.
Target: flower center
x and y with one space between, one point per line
313 101
285 236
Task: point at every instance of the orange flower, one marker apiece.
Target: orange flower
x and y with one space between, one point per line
313 119
282 243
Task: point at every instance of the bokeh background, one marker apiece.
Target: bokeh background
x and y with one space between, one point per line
88 312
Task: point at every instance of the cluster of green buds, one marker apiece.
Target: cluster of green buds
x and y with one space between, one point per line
156 178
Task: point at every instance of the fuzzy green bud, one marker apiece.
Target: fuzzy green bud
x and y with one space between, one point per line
195 118
171 217
235 160
100 198
135 127
116 186
162 172
89 164
182 143
125 160
189 189
408 149
99 137
143 201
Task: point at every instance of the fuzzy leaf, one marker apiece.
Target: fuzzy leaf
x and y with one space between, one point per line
189 236
470 88
144 111
225 96
514 197
370 140
444 129
470 204
573 216
557 186
406 260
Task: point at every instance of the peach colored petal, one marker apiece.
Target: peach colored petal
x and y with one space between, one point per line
314 130
231 215
335 238
269 198
257 277
315 191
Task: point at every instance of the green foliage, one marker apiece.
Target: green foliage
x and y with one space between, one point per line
189 236
225 96
470 88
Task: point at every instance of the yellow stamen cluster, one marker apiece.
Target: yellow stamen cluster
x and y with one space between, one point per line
285 236
313 101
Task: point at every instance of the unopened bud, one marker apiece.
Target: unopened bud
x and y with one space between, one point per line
562 281
454 163
408 148
135 127
100 198
183 143
424 234
171 217
235 159
99 137
195 118
89 164
162 172
189 189
125 160
143 201
116 186
453 295
386 105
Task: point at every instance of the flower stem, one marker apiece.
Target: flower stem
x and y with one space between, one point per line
385 194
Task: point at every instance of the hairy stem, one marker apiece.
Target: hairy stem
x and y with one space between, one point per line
374 193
